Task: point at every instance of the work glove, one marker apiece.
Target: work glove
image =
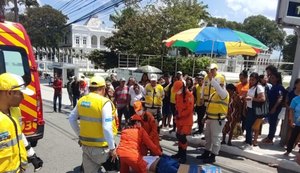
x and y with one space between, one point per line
36 162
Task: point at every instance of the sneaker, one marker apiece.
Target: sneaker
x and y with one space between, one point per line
246 147
267 141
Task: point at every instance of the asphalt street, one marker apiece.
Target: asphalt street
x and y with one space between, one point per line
61 153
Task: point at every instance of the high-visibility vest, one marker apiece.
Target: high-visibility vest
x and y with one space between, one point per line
208 89
13 155
154 96
115 121
217 108
173 96
198 94
90 113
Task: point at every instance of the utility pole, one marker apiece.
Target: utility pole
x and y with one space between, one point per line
16 10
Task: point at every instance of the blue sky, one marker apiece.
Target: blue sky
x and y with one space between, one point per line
234 10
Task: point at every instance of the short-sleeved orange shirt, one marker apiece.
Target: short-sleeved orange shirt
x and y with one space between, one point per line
242 90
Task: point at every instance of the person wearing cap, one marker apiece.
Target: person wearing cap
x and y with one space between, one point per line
184 119
179 75
154 97
121 101
15 149
200 108
148 123
96 130
216 112
129 149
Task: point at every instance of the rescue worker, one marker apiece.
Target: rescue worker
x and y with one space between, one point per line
154 98
216 112
129 149
97 127
13 143
148 123
184 119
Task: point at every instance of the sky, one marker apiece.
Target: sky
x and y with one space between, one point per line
233 10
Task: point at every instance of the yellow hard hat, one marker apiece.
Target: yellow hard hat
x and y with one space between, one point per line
97 81
9 81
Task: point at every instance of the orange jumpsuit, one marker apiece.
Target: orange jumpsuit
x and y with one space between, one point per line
129 149
150 126
184 119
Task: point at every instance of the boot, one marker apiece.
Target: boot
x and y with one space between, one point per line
210 159
182 158
205 155
178 154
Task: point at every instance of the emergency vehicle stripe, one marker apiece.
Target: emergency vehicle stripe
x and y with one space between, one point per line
92 139
1 42
30 106
32 88
10 40
32 77
30 100
28 110
15 34
12 28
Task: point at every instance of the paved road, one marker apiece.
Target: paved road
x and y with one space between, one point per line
61 153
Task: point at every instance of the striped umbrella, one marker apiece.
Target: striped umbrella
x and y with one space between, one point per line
220 41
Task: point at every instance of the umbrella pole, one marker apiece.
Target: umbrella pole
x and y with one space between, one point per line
193 66
212 49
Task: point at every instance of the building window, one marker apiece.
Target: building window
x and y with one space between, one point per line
84 40
77 40
102 38
94 41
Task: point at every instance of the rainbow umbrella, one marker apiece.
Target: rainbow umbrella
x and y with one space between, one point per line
221 41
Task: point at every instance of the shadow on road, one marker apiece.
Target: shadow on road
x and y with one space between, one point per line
75 170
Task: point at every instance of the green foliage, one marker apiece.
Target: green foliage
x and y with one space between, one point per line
103 59
44 26
220 22
289 50
184 64
141 31
265 30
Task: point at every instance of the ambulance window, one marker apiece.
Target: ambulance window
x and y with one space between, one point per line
13 62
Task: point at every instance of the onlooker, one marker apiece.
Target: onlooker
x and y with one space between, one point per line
189 83
242 89
275 98
131 82
256 93
69 89
166 109
271 69
109 91
179 75
75 91
137 93
234 113
200 108
83 87
57 85
294 122
144 80
121 101
114 81
169 91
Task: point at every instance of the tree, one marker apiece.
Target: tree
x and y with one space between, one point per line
289 50
103 59
44 26
220 22
265 30
141 31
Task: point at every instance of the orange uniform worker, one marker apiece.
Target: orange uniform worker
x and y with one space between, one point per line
184 119
148 123
129 149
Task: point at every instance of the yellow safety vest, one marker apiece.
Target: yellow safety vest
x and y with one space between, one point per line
173 95
90 113
208 89
154 99
13 155
198 94
115 121
217 108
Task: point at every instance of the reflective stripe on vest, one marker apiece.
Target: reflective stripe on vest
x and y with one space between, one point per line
92 139
153 97
10 143
217 108
198 95
207 90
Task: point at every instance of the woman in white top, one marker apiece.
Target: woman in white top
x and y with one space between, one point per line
254 87
136 92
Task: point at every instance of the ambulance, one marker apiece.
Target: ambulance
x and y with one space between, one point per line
16 56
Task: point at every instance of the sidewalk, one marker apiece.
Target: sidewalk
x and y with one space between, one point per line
268 154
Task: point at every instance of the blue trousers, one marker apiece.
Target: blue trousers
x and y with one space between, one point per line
273 121
250 119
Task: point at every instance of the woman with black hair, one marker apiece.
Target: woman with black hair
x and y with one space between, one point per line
171 94
144 80
255 93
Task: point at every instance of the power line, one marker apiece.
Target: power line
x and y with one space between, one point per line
102 8
75 5
77 9
66 4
